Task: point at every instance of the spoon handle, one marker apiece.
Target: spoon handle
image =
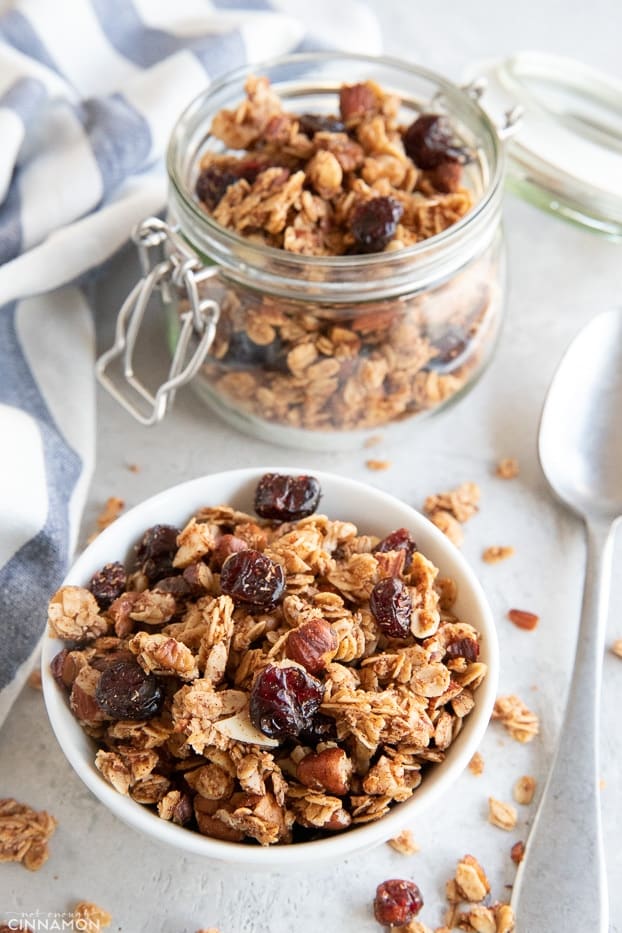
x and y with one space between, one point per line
561 884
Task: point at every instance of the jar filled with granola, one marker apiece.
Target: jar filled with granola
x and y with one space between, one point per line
333 259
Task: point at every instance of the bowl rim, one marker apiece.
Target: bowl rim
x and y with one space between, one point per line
73 740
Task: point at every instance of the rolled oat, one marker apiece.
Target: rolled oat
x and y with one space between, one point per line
501 814
494 554
404 843
524 789
476 764
89 916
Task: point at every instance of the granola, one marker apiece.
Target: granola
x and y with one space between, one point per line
24 834
524 789
187 704
507 468
317 186
501 814
88 916
404 843
496 553
522 724
449 510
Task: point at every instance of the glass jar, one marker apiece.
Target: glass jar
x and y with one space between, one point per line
321 352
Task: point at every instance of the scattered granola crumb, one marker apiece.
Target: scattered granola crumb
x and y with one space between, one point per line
404 843
378 465
523 619
373 440
517 852
518 719
471 883
461 502
448 510
91 916
133 468
507 468
34 679
504 917
524 789
501 814
494 554
479 918
602 784
476 764
616 647
24 834
110 512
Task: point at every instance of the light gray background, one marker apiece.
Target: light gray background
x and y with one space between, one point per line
559 277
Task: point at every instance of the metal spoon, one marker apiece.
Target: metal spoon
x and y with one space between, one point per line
561 885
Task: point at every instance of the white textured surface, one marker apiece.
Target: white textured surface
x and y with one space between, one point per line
559 277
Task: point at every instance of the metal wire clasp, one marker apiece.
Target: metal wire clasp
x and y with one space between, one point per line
512 118
173 270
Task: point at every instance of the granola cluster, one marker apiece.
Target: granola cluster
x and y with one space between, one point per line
323 186
24 834
240 680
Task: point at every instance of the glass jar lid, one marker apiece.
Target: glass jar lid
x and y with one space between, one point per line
565 155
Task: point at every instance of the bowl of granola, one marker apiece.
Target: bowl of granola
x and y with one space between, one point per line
268 668
334 239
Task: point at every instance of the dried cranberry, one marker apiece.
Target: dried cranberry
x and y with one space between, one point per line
125 691
286 498
399 540
284 701
156 541
466 648
250 167
430 140
212 184
450 349
251 577
156 550
391 606
312 123
397 902
322 729
108 584
243 352
374 223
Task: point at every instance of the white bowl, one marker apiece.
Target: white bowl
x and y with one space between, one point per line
374 512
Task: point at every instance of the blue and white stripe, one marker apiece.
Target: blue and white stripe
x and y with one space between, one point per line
89 92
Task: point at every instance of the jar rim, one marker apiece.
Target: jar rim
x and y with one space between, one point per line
255 254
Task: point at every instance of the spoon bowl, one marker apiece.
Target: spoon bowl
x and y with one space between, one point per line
580 443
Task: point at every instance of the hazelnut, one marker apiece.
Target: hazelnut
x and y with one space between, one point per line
313 644
226 545
329 770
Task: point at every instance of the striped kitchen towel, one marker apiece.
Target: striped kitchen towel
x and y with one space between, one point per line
89 91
